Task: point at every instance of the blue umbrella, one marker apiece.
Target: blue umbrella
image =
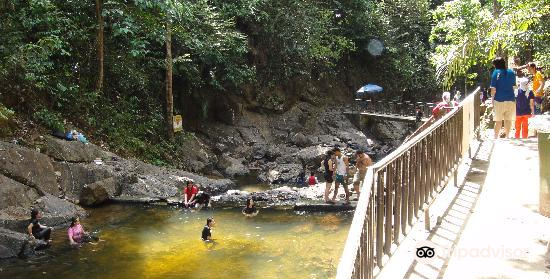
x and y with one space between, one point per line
369 89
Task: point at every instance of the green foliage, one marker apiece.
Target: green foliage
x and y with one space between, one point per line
48 57
6 120
6 114
51 120
468 34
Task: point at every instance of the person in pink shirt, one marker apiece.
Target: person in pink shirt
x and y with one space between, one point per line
76 233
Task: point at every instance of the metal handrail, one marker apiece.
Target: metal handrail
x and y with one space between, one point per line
397 188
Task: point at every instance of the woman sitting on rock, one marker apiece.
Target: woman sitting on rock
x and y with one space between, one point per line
250 210
38 231
76 233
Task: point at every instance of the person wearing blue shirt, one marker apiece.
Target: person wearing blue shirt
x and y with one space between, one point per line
503 81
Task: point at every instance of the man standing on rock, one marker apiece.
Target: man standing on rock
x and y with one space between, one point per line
363 162
329 174
342 166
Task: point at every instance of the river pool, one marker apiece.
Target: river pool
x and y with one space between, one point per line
164 242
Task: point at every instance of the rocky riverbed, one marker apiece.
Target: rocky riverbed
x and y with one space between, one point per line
61 178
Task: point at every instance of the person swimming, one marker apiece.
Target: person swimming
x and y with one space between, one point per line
77 234
207 230
250 210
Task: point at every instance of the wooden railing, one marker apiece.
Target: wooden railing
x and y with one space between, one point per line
401 108
404 183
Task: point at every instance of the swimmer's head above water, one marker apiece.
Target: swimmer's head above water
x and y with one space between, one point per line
210 221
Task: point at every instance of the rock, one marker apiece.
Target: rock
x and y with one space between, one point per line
73 176
324 207
98 192
283 196
14 244
28 167
227 111
283 173
391 130
300 140
232 167
311 156
73 151
273 152
15 194
250 133
56 211
226 135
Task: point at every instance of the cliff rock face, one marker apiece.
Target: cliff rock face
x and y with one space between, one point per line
283 146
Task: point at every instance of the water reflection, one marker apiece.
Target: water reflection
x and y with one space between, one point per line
159 242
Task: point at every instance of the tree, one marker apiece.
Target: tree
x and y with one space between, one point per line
469 33
169 94
100 45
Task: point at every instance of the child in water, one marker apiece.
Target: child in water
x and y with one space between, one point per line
312 180
250 210
77 235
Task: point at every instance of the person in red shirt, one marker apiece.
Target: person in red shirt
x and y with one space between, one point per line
312 180
189 194
444 106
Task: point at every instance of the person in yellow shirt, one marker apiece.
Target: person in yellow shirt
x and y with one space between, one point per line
538 84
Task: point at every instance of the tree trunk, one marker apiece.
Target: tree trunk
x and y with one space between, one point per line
100 44
169 96
496 15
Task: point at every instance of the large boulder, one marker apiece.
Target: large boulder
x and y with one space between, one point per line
73 151
311 156
283 173
98 192
300 140
28 167
15 194
232 167
73 177
56 211
250 133
14 244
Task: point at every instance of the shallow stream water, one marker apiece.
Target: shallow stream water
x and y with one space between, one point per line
164 242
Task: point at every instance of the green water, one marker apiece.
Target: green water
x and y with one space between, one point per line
162 242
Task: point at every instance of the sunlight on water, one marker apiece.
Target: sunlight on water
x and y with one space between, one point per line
161 242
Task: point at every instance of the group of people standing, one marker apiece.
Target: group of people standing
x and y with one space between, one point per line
515 105
337 170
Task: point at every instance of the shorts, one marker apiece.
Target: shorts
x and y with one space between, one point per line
359 176
504 110
538 105
328 177
340 178
202 198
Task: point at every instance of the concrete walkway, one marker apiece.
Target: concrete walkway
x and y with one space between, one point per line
490 227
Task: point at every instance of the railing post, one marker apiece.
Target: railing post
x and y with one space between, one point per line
397 184
379 218
405 186
389 210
